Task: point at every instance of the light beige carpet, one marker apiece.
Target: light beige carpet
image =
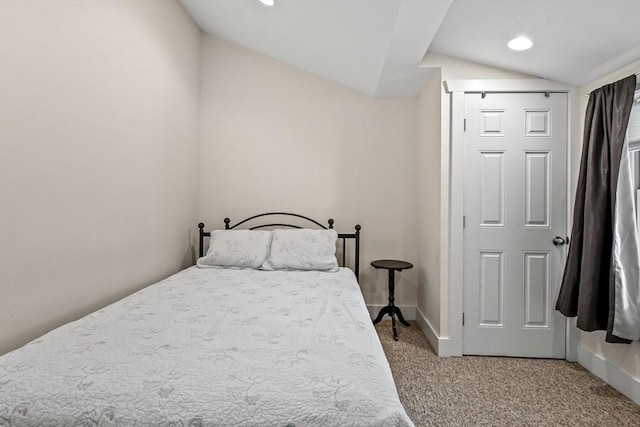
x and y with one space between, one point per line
498 391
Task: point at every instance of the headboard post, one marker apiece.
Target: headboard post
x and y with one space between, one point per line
201 227
330 223
357 266
226 223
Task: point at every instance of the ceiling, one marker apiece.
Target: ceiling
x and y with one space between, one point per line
376 46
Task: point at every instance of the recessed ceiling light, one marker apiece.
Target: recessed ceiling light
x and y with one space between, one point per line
268 2
520 43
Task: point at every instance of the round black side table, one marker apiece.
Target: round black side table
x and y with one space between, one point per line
392 266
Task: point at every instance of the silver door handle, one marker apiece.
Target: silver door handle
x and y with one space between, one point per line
559 241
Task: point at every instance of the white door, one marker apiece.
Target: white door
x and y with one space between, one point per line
515 173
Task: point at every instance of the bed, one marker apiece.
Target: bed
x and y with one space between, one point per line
216 345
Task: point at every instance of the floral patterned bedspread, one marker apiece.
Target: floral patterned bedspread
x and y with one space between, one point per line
219 347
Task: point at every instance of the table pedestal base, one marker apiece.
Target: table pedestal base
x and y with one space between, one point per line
391 310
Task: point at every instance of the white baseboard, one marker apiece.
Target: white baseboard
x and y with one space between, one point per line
443 346
427 330
408 311
611 374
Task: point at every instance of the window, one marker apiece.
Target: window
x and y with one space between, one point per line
635 167
633 134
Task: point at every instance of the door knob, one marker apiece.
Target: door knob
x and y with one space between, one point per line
558 241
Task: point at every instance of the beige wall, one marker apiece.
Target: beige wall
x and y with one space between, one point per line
436 282
98 155
429 153
625 357
275 138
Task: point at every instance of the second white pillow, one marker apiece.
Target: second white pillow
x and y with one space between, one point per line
303 249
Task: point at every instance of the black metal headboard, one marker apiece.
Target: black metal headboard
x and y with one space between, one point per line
344 236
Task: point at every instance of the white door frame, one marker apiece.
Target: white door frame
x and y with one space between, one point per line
457 90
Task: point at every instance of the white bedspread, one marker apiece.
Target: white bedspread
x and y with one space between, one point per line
211 347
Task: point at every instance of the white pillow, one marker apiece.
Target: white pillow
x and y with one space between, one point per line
303 249
237 248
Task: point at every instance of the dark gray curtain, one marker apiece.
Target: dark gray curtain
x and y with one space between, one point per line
588 287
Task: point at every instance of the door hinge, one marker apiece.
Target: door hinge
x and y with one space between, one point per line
464 221
462 319
465 125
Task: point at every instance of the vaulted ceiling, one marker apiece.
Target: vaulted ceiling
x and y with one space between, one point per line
376 46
